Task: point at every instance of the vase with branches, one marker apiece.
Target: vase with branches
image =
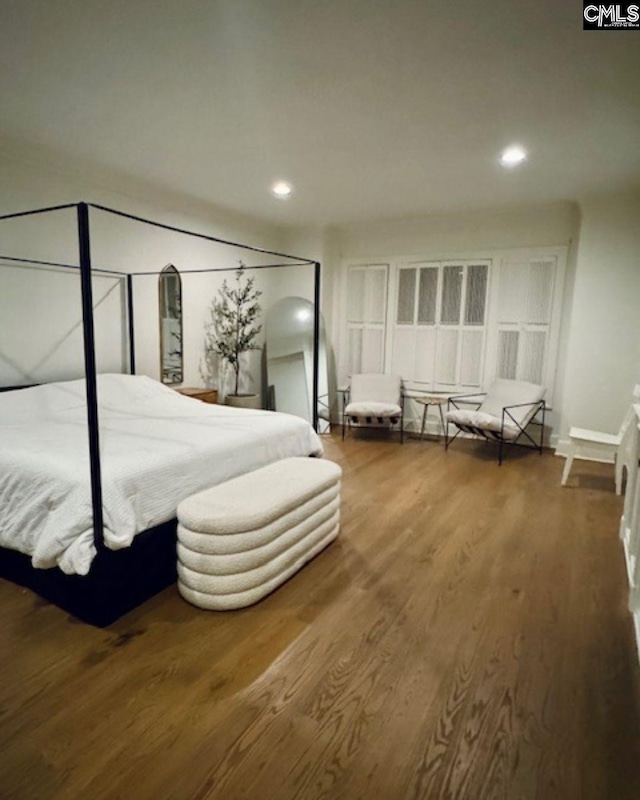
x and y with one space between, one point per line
233 327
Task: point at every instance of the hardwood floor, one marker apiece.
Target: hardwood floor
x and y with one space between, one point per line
465 637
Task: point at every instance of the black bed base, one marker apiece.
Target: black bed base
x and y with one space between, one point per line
118 581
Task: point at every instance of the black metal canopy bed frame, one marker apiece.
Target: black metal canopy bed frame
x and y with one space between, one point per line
119 580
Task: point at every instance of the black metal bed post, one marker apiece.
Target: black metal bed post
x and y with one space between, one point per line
132 344
316 341
90 374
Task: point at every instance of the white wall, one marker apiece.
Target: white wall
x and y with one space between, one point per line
439 235
320 244
603 355
41 335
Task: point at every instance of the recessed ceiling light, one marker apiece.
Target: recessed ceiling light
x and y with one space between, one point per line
281 189
513 155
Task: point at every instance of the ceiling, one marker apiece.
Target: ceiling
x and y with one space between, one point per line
373 109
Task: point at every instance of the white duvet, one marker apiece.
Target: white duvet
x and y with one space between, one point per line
157 447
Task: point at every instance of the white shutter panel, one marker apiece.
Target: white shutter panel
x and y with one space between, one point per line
508 341
355 295
451 295
372 350
446 356
471 357
425 355
513 280
525 310
532 352
405 311
354 351
366 310
539 292
404 346
375 294
427 295
476 294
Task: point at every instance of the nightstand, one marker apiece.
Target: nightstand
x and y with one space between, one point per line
199 393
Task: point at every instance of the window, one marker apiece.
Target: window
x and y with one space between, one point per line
366 315
525 303
456 325
439 330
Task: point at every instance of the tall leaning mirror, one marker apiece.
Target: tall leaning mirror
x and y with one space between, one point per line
170 296
289 347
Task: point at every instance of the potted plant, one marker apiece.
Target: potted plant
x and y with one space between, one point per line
233 330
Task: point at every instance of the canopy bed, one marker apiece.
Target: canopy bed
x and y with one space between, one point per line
92 470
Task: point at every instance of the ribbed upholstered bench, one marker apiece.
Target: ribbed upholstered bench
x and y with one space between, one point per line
240 540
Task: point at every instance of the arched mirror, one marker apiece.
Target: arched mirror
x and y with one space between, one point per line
170 295
289 350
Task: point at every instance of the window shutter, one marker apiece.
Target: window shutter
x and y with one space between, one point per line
372 350
524 318
366 311
440 324
425 355
406 296
427 296
508 353
451 295
539 292
446 358
354 351
476 294
471 357
355 295
375 293
404 351
532 345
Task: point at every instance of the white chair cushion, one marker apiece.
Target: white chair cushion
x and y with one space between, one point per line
373 409
484 421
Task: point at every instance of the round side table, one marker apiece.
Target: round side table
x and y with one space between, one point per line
432 399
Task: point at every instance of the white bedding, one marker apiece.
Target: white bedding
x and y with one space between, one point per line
157 448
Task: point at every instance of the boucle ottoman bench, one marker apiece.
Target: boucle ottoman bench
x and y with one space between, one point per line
241 539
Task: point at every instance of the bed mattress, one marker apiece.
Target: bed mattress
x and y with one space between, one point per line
156 448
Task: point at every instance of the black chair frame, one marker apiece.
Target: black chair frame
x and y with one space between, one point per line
498 436
370 421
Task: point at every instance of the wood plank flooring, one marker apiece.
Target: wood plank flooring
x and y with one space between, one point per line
465 637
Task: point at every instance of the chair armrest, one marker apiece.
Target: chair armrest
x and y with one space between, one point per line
536 406
522 405
465 398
